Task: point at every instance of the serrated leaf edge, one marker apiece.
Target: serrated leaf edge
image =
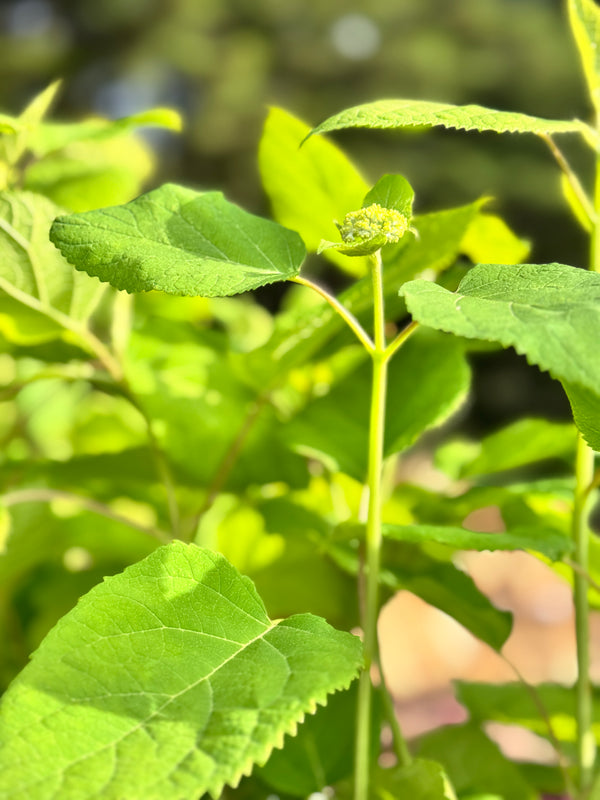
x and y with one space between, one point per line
290 730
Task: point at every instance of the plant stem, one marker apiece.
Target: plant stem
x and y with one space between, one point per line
401 751
373 534
346 315
586 745
397 343
535 696
584 477
49 495
586 205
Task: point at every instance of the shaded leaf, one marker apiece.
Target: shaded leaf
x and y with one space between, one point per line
424 113
515 704
550 543
474 764
428 380
408 567
181 242
167 679
320 754
585 406
526 441
450 590
420 780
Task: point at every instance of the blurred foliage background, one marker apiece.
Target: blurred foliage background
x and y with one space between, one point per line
222 62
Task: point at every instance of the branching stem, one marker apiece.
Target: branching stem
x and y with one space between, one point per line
346 315
49 495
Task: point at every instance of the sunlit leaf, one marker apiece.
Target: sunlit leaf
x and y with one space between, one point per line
168 679
31 270
584 16
424 113
548 312
299 335
181 242
309 187
52 136
489 240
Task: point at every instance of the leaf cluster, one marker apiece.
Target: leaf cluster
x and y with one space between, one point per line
211 458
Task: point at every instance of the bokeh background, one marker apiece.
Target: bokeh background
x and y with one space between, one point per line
222 62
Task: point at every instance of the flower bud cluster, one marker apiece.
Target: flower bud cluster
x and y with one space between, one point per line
371 222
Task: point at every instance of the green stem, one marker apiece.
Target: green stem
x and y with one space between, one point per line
346 315
397 343
399 744
584 477
373 535
563 761
49 495
586 745
586 205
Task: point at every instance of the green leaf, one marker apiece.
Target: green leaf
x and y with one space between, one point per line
310 187
190 386
335 427
180 242
424 113
28 123
283 542
31 270
408 567
320 754
474 764
585 406
489 240
166 680
548 312
420 780
584 16
52 136
514 704
451 590
92 174
550 543
523 442
392 191
9 124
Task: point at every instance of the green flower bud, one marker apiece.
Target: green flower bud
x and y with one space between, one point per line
372 222
367 230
